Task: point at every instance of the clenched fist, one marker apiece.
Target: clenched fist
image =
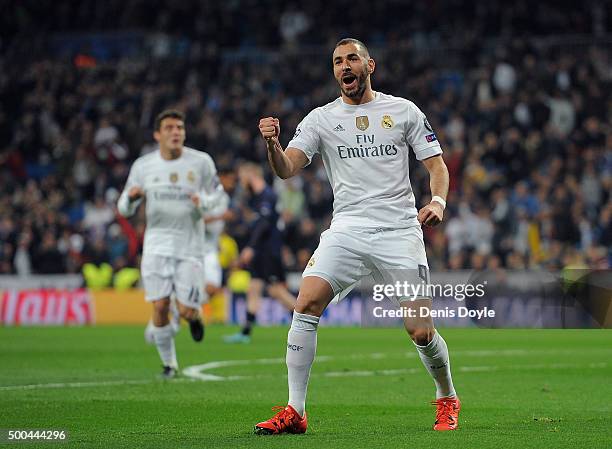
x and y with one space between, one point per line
135 193
195 199
269 128
431 215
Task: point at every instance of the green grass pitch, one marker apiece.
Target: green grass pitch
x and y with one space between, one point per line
519 388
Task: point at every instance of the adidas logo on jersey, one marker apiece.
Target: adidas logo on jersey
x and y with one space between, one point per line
339 128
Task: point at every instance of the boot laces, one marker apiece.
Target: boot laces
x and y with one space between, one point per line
445 408
283 418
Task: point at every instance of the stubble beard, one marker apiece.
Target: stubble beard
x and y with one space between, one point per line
359 90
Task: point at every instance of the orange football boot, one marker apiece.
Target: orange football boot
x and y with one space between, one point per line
287 420
447 413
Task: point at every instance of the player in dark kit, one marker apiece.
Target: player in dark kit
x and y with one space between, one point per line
262 254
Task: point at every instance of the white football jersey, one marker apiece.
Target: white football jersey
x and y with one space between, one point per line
175 227
365 151
211 236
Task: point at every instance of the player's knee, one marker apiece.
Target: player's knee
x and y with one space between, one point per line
422 335
161 307
309 305
309 309
315 294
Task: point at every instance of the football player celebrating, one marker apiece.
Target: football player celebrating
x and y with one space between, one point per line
364 138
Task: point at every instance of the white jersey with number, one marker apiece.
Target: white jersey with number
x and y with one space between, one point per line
365 151
175 227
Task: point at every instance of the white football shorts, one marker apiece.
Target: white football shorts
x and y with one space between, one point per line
212 269
162 275
344 257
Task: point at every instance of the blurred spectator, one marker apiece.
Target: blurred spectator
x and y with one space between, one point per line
117 246
504 78
562 114
22 261
523 117
47 258
292 199
319 201
293 23
97 217
96 252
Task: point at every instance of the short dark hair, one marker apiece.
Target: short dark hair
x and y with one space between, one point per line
224 168
350 40
168 113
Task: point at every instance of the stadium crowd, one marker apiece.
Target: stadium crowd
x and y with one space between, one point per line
523 115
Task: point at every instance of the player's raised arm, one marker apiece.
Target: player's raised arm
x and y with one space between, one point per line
433 213
285 163
132 194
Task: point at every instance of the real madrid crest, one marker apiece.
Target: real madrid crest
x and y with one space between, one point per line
173 178
362 122
190 176
387 122
311 262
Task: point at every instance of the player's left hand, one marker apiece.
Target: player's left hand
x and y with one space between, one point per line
431 215
246 255
195 199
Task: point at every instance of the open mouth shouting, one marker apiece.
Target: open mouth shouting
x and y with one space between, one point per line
349 81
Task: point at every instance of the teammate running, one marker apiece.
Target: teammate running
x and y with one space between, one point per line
179 185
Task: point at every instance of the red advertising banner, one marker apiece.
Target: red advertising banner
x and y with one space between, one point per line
46 307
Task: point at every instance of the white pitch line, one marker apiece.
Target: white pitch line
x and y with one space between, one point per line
104 383
198 372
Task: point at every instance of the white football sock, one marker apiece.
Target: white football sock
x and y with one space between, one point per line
435 358
148 334
164 340
301 348
175 320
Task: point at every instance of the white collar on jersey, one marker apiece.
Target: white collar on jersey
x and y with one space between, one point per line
352 107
